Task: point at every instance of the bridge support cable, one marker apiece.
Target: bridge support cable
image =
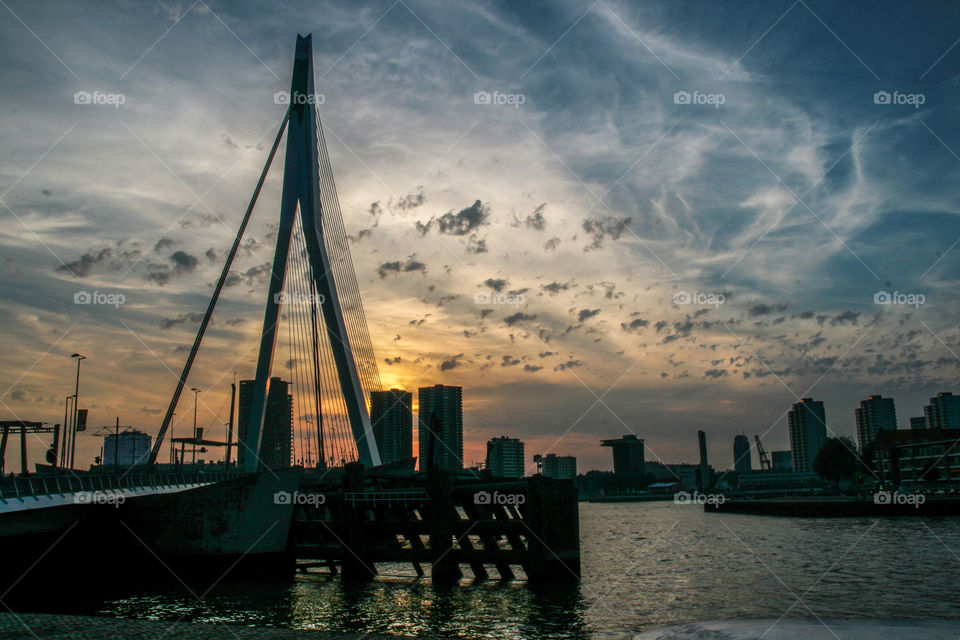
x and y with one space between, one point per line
181 382
338 246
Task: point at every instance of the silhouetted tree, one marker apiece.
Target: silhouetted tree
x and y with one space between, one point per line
836 461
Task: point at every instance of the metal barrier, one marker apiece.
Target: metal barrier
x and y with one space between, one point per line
22 487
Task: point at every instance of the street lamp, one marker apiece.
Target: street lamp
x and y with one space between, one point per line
195 392
76 409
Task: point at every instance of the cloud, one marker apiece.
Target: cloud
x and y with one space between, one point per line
606 227
762 309
387 268
519 316
569 364
497 284
461 223
411 200
633 325
846 317
451 363
556 287
536 220
586 314
183 318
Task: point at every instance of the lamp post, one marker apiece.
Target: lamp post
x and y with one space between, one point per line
76 409
195 392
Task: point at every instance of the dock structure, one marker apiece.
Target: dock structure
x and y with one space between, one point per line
526 528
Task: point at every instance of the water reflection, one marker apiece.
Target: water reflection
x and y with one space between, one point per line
388 606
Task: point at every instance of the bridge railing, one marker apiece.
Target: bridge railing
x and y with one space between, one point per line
18 488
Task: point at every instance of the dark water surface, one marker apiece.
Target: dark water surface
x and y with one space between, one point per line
645 565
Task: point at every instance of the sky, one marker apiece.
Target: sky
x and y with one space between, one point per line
599 218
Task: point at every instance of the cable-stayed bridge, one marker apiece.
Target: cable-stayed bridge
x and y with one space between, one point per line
339 509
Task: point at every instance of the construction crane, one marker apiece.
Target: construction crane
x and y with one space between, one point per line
764 460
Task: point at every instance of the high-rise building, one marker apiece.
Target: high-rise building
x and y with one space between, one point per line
741 454
808 431
276 439
875 414
391 415
505 457
559 467
943 412
440 427
782 460
704 479
918 423
627 455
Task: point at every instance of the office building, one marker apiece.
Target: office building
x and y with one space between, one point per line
918 458
741 453
875 414
440 427
505 457
782 460
918 423
808 431
276 438
627 456
559 467
703 479
943 412
126 449
391 416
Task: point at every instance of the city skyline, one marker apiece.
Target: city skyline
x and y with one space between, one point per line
656 259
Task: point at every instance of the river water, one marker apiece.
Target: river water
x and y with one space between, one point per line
644 565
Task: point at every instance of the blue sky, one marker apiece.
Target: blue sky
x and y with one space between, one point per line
786 187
